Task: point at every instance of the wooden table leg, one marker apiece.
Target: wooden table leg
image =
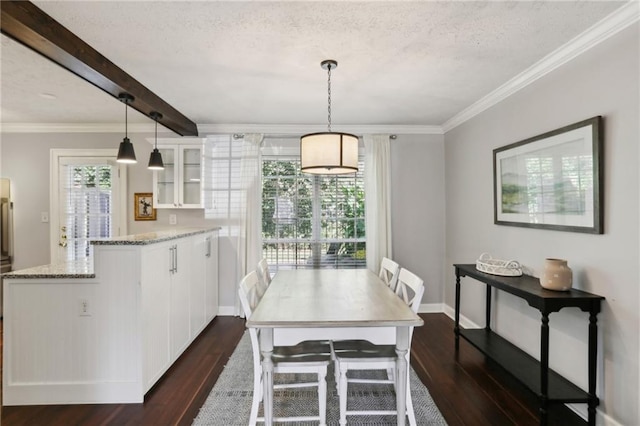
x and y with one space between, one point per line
593 356
544 369
456 326
266 348
402 347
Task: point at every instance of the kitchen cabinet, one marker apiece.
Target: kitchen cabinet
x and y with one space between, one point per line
179 185
204 282
125 315
180 278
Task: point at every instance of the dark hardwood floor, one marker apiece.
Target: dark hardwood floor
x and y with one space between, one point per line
467 389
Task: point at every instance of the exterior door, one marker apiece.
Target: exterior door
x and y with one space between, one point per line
86 194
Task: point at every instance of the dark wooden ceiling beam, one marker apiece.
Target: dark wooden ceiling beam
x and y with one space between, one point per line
29 25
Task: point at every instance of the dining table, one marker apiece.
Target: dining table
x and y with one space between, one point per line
332 304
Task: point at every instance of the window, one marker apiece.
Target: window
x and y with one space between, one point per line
311 221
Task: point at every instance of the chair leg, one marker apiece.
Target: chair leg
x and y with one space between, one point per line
410 412
255 404
322 396
336 373
343 394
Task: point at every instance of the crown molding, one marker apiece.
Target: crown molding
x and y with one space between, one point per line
301 129
599 32
204 129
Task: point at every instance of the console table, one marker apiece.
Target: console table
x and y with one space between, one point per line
549 386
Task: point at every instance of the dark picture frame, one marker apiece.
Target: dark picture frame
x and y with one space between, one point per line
143 206
553 180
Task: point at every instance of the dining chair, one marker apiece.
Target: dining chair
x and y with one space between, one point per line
263 272
305 357
389 272
363 355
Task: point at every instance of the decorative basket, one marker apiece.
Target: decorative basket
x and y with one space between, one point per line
507 268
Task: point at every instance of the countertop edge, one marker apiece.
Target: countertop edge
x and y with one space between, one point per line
152 237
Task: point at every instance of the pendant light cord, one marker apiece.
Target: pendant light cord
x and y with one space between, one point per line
329 95
126 104
156 132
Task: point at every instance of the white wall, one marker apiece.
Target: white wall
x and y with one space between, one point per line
603 81
417 209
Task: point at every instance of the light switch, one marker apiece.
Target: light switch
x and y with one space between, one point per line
173 219
44 217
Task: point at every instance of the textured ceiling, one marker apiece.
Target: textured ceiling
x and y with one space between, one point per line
400 63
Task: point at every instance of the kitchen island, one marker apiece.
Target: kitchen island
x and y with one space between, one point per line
105 329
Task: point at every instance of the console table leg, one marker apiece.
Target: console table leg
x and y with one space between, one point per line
544 368
487 312
593 354
456 327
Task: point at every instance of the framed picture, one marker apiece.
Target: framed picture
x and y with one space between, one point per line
552 181
143 205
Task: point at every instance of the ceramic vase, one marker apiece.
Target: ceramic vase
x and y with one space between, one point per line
557 275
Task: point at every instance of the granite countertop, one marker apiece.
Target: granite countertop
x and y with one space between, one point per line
152 237
84 268
77 269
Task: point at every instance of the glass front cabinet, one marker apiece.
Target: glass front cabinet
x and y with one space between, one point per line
179 186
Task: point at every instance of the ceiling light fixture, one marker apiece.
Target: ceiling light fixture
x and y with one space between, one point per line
155 160
329 153
126 154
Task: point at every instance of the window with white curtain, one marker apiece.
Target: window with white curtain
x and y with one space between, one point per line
223 189
308 221
311 221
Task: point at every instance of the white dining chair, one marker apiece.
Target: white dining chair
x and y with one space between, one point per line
305 357
389 272
363 355
263 273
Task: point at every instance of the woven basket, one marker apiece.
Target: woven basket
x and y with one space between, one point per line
507 268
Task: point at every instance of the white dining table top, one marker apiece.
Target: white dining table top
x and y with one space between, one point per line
330 298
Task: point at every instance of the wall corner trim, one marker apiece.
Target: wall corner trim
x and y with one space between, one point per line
596 34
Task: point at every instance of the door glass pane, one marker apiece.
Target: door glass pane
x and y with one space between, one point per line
166 187
191 176
87 207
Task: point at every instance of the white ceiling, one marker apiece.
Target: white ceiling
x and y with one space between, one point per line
400 63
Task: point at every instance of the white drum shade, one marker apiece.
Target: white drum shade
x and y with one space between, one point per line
329 153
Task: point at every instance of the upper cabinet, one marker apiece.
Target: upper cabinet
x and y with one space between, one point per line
179 185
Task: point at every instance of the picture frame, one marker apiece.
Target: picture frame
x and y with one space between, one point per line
143 206
553 180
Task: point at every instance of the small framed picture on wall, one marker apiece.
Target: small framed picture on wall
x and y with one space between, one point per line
143 206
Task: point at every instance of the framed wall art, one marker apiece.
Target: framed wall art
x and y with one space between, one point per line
143 206
552 181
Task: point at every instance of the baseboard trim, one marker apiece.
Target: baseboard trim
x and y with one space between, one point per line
464 321
227 311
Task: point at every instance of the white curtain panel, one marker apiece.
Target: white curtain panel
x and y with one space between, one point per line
377 184
251 228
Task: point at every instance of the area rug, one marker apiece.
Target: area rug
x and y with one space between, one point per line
229 403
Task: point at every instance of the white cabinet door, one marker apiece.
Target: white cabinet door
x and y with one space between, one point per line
179 184
179 336
155 278
211 278
197 283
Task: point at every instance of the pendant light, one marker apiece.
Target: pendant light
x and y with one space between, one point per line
329 153
126 154
155 160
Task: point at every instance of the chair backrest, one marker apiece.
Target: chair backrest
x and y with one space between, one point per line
249 292
263 272
389 272
410 288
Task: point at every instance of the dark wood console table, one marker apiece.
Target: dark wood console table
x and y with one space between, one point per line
550 386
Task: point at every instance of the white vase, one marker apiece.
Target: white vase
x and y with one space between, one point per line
557 275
